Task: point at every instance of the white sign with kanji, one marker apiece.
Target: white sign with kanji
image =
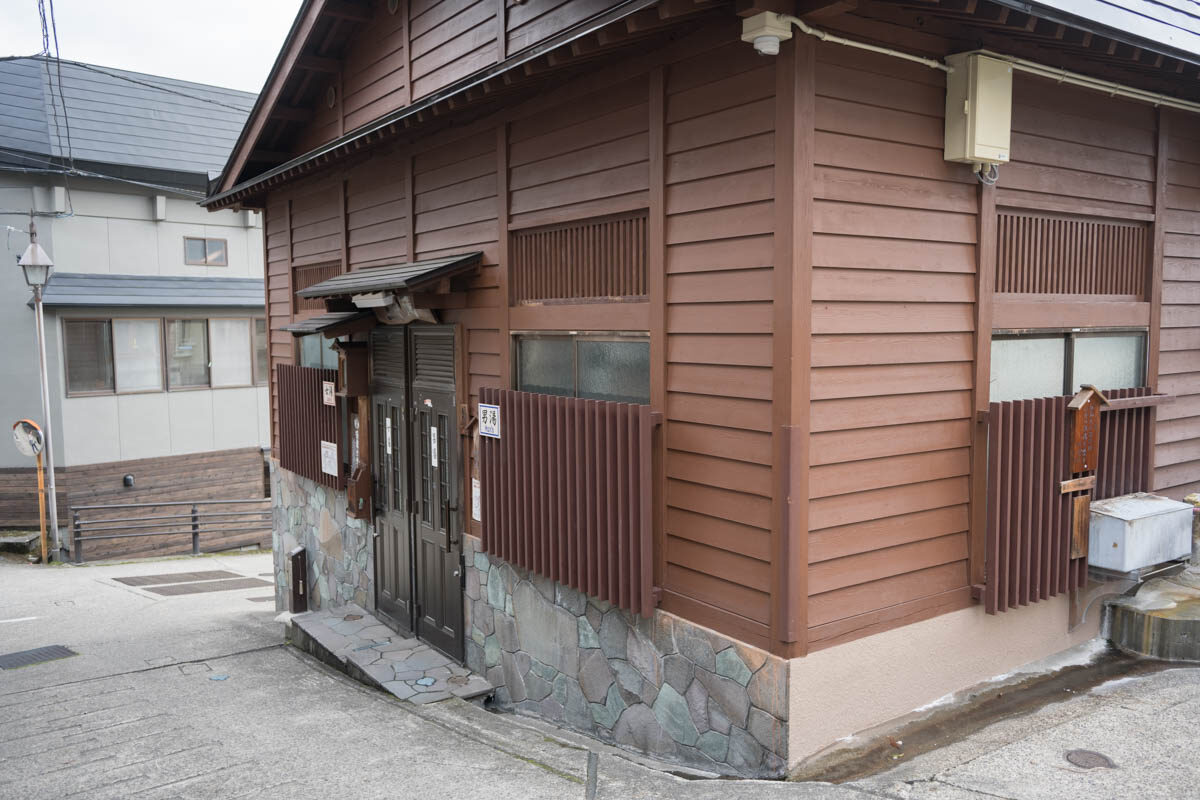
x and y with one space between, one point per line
328 390
489 420
329 456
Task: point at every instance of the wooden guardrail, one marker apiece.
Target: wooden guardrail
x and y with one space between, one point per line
567 492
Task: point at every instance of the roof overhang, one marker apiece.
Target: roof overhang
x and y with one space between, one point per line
412 277
96 290
333 323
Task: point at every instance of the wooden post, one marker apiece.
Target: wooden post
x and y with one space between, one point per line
42 503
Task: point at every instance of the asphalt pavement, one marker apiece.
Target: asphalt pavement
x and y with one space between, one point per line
196 695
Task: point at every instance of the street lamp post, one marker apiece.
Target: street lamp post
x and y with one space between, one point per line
38 267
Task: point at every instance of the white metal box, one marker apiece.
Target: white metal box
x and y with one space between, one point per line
1138 530
978 109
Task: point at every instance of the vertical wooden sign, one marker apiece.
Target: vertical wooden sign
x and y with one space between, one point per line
1085 456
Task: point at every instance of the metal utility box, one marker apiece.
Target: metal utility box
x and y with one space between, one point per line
1138 530
978 109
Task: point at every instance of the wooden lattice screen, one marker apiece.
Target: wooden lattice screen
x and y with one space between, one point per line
304 277
567 492
1056 254
1028 546
594 259
305 422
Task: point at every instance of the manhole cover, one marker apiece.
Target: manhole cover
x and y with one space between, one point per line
38 655
1089 759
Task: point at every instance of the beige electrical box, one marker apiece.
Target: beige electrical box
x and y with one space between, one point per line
978 109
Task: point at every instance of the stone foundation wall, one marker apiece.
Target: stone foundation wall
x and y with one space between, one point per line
663 686
341 563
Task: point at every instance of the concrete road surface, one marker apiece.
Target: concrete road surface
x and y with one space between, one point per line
195 695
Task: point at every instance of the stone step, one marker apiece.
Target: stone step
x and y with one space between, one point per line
354 641
1162 620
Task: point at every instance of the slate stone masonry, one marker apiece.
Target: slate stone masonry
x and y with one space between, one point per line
663 686
341 564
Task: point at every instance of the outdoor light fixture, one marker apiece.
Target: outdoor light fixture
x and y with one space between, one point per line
35 262
38 267
766 31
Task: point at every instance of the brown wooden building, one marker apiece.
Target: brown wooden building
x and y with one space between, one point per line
748 333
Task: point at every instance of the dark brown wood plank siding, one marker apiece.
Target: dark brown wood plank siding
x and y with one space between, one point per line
1177 454
892 350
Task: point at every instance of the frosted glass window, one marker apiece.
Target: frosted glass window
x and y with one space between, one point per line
316 351
1027 367
262 367
231 356
1109 362
187 353
138 346
615 370
546 366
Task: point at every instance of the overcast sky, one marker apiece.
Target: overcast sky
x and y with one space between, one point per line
230 43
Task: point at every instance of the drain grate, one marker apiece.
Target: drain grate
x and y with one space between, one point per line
176 577
208 586
38 655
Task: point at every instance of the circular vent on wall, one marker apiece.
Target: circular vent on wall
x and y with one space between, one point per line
330 96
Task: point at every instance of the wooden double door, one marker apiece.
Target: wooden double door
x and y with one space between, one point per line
418 475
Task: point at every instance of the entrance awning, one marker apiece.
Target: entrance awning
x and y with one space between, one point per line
334 323
411 277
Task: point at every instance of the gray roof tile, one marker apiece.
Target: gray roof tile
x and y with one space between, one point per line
98 289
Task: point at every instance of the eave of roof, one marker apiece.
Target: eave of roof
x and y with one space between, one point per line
98 289
410 277
326 322
229 196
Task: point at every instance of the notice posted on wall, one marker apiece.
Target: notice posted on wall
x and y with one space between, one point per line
328 396
329 458
489 420
476 501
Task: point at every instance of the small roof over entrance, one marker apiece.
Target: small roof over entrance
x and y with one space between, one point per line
410 277
331 323
98 289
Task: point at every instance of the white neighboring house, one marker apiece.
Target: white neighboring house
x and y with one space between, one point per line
155 335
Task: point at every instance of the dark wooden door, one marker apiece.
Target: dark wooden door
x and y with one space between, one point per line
393 523
437 515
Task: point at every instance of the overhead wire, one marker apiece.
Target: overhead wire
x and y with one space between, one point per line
70 155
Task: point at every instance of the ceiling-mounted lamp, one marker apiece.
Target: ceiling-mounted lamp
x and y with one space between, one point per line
765 31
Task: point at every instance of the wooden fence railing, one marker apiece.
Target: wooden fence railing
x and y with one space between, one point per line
1028 546
142 530
305 422
567 492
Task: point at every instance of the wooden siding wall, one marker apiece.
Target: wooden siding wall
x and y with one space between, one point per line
396 59
1177 455
893 284
719 143
893 287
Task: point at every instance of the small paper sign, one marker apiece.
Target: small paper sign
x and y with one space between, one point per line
433 447
489 420
476 500
329 458
389 436
327 393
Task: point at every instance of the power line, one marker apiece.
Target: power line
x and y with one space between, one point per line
55 169
62 97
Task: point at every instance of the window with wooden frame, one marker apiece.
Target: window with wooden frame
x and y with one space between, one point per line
611 366
134 355
205 252
1049 363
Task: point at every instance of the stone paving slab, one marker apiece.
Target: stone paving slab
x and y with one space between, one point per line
375 654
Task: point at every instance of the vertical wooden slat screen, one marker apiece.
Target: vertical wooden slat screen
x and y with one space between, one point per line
1044 254
305 421
567 493
1126 447
304 277
1028 542
1028 519
593 259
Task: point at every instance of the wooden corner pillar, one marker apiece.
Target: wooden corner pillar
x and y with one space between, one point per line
656 283
792 343
985 287
1154 279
